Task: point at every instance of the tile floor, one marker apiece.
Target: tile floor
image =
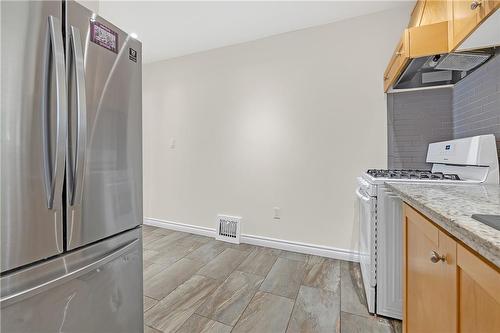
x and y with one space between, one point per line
196 284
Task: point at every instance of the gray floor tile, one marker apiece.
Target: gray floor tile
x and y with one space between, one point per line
164 231
170 240
150 269
324 274
161 240
350 323
174 290
148 329
161 284
172 252
148 228
284 278
148 254
224 264
241 247
258 262
208 251
146 263
267 250
149 238
172 311
199 324
227 303
313 260
148 303
353 298
316 310
266 313
294 256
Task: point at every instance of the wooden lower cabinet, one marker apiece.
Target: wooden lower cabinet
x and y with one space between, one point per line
447 288
430 267
479 293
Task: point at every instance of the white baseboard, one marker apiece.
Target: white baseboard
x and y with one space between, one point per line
193 229
318 250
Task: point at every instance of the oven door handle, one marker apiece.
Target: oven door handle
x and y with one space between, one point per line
360 195
362 181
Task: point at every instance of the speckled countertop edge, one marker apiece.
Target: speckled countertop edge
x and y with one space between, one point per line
480 237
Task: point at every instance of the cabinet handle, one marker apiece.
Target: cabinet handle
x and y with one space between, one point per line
399 53
436 257
385 77
475 4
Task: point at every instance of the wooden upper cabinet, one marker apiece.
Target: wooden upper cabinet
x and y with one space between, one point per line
464 20
487 8
466 16
479 294
435 11
416 14
428 39
429 12
437 26
398 61
430 282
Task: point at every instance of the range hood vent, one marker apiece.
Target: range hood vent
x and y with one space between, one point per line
462 61
442 69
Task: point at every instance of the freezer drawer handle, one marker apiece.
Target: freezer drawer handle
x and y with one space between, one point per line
54 56
30 292
77 174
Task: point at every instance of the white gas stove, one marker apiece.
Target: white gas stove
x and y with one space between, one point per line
472 160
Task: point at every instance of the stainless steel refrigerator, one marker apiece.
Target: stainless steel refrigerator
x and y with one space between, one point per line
71 171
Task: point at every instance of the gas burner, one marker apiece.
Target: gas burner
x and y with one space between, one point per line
411 174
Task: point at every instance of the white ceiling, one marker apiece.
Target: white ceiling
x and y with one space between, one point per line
172 29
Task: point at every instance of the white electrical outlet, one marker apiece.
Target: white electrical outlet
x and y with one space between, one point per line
172 143
277 213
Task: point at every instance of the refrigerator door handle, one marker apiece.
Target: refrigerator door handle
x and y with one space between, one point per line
16 297
81 108
54 58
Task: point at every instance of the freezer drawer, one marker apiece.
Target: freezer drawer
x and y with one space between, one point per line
85 291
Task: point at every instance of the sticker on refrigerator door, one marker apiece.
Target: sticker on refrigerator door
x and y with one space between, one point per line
132 54
104 36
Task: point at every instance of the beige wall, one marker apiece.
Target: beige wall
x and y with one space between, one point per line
93 5
287 121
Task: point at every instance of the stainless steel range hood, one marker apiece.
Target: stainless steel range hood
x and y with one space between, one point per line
442 69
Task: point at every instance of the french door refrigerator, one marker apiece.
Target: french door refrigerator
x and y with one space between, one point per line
71 171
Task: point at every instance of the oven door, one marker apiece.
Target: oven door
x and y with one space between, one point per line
367 249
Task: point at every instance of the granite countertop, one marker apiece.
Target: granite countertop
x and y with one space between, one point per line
451 207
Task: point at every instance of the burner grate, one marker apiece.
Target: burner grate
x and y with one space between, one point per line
411 174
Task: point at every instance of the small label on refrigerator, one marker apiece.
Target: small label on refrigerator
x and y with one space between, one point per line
103 36
132 54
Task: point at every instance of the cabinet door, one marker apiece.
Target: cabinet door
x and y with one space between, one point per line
487 7
430 276
398 61
434 12
416 14
464 20
479 294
